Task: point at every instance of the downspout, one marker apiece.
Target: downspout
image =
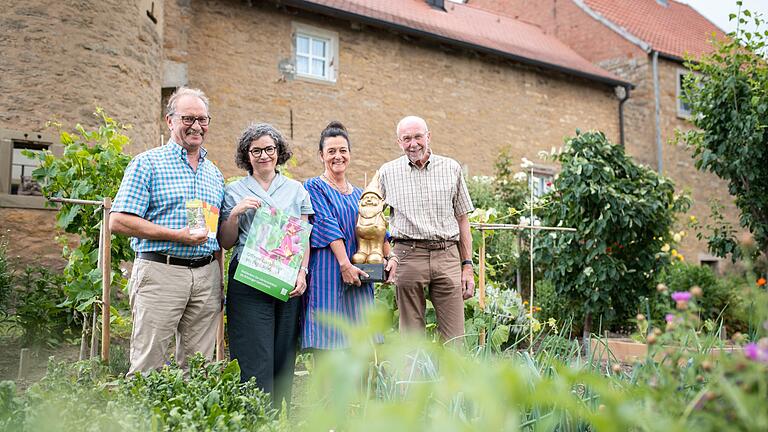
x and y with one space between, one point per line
621 115
656 97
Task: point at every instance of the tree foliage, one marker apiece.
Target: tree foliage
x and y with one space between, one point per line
623 213
729 105
90 168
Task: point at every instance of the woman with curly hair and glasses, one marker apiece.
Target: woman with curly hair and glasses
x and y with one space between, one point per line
263 330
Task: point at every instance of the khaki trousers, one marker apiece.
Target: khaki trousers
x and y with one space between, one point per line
170 301
438 272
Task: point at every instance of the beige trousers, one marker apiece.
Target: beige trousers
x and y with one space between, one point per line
438 272
170 301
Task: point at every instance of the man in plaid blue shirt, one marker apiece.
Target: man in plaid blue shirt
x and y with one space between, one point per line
176 283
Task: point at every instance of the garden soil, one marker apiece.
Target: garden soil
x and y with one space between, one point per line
9 361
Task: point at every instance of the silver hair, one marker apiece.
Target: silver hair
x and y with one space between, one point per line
170 109
409 118
254 132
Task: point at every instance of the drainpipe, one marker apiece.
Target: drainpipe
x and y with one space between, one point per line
659 159
623 99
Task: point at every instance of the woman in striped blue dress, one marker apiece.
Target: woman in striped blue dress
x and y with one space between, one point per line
334 283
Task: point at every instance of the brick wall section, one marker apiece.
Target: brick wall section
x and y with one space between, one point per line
569 23
542 13
474 105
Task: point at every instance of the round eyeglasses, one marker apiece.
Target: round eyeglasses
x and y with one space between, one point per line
256 152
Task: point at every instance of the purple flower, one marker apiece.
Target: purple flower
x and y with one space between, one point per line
669 318
757 351
681 296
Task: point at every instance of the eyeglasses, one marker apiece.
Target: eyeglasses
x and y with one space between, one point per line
190 120
256 152
417 137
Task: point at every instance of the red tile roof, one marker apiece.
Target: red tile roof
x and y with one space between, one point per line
676 29
468 27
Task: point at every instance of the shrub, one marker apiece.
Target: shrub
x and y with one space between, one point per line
729 109
38 310
623 213
545 296
90 168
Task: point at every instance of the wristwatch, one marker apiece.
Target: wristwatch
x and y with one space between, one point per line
306 270
466 262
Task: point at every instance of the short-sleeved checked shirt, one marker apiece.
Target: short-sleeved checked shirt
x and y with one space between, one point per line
157 185
425 202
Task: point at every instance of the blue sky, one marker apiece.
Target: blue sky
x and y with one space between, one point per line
717 10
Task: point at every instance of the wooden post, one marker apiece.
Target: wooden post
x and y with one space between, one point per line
23 363
220 338
481 282
94 337
106 279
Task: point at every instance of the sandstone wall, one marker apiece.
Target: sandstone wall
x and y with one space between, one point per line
58 61
62 59
474 105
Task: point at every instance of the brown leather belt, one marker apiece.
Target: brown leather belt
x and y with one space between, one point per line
427 244
177 261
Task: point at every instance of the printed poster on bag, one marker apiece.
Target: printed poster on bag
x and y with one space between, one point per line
273 252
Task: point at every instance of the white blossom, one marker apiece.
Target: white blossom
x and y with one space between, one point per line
520 176
526 163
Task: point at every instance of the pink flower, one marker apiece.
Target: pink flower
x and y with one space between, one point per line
681 296
757 351
669 318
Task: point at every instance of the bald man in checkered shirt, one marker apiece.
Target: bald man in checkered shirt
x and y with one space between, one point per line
429 223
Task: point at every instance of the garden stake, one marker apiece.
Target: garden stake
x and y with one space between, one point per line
530 255
106 278
481 281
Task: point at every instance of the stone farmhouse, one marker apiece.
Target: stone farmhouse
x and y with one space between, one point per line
646 43
486 75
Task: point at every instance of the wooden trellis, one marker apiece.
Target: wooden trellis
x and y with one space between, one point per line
483 227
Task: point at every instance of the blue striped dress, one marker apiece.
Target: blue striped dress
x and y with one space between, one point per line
335 218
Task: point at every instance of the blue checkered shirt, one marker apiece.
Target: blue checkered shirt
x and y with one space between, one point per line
157 185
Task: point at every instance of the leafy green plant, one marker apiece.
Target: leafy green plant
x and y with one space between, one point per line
90 168
623 213
729 106
38 310
82 396
211 398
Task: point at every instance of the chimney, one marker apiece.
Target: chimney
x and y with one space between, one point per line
437 4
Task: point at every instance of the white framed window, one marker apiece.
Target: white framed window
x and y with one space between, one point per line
683 109
17 188
315 52
541 180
